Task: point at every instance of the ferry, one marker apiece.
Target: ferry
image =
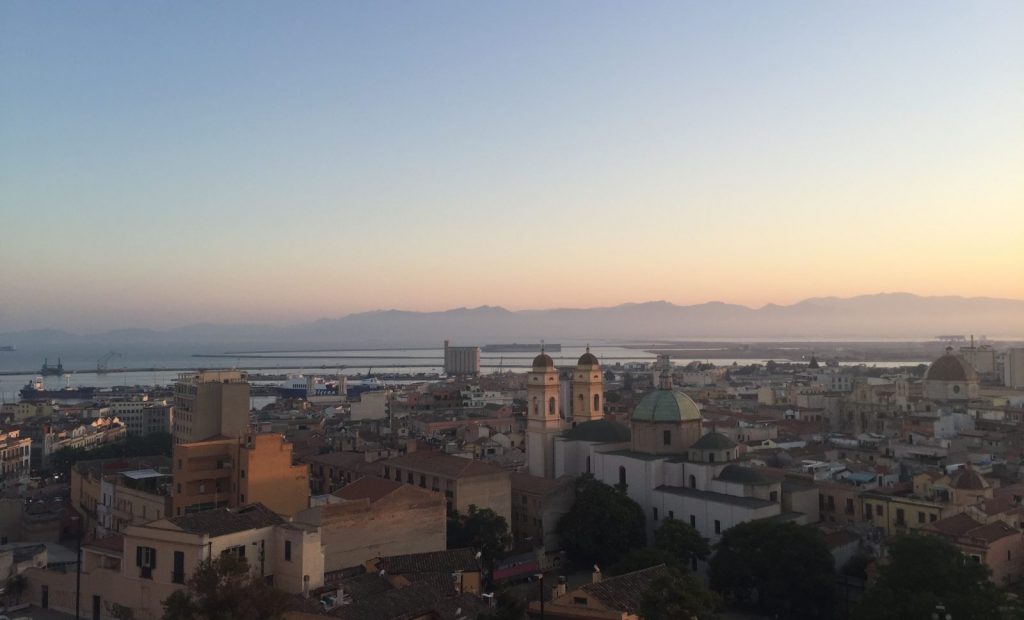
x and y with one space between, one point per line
299 386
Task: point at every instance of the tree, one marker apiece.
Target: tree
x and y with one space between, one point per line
776 568
223 589
923 572
483 529
677 595
676 545
680 541
602 525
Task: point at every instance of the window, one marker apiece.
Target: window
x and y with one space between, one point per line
693 481
588 464
718 526
237 551
900 517
932 518
408 477
655 509
423 481
387 472
622 475
878 510
178 574
666 438
287 551
597 402
693 521
920 517
145 559
241 474
551 406
579 600
711 457
849 506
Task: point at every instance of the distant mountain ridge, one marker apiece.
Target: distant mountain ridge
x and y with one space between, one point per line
884 315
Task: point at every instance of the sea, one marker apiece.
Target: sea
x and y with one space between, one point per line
142 365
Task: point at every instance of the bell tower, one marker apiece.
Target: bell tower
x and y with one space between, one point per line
587 389
543 421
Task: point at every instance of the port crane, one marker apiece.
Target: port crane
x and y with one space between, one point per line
103 364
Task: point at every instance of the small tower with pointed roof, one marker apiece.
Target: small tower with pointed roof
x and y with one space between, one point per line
587 389
543 421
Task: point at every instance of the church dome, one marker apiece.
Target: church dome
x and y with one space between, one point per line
601 431
543 361
666 406
951 367
969 480
714 441
588 359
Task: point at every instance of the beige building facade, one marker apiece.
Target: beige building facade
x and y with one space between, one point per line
210 403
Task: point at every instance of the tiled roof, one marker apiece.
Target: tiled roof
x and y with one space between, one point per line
432 562
993 532
625 592
409 602
222 521
746 475
718 498
536 485
368 488
956 525
109 544
338 458
442 464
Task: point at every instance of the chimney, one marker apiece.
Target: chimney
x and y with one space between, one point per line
559 590
595 577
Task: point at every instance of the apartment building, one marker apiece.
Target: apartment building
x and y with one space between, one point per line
112 494
136 571
210 403
227 472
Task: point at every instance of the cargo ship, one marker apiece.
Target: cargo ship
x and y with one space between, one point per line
35 390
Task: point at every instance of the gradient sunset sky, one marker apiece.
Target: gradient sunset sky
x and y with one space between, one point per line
166 163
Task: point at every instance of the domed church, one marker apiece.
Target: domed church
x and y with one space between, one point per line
950 378
667 463
544 419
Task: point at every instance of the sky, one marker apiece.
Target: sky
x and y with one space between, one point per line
168 163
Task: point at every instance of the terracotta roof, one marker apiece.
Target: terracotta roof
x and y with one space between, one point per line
993 532
370 488
588 359
957 525
222 521
113 543
536 485
338 458
444 465
969 480
625 592
432 562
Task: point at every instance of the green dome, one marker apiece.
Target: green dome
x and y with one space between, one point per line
602 431
666 406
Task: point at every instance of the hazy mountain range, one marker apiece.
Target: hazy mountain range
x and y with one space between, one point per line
882 316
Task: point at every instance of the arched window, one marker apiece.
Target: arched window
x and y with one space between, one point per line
536 407
588 464
622 475
551 406
597 402
693 481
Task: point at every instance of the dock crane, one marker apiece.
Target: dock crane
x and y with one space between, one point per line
102 364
